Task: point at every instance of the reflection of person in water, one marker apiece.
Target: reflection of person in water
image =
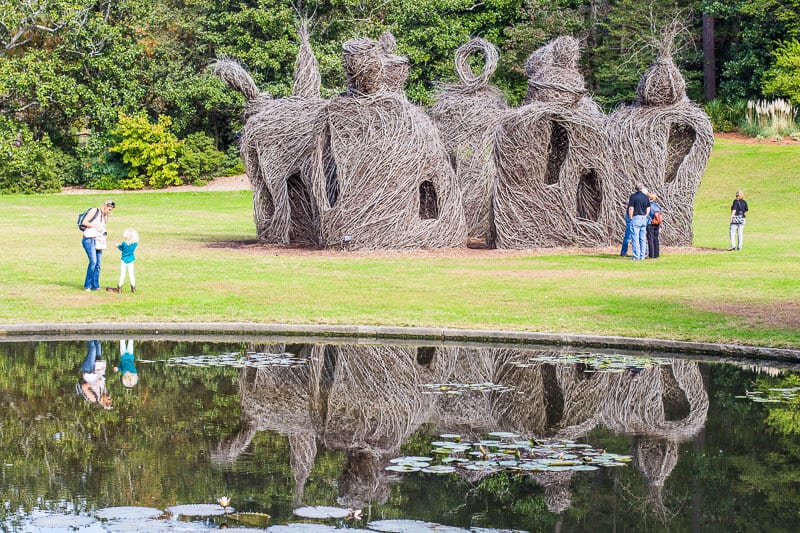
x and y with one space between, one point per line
92 383
127 368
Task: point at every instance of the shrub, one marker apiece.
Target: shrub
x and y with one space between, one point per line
30 166
198 159
99 167
724 115
783 78
233 164
150 150
770 119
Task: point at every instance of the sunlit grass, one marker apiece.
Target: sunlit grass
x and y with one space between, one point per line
191 267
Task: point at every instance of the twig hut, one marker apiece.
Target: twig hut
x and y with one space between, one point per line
277 145
467 114
553 178
382 178
663 141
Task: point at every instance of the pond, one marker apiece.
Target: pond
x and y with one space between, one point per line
175 435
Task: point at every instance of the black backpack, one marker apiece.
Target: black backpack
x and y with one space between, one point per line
82 216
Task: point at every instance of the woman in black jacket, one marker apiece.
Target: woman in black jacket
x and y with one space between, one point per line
738 210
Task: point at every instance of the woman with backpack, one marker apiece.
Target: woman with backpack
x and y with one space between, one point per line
93 224
738 210
654 219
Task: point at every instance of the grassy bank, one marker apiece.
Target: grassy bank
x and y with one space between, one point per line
197 262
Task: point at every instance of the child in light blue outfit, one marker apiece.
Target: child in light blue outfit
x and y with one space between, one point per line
127 247
127 367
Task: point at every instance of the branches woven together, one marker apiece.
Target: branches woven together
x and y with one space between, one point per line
370 170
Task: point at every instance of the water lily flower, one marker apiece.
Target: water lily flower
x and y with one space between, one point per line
224 501
353 514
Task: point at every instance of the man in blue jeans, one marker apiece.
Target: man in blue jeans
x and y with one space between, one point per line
638 209
628 234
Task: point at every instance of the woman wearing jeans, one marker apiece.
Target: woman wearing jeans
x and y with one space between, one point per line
738 210
94 241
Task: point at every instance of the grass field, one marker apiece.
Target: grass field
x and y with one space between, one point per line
197 262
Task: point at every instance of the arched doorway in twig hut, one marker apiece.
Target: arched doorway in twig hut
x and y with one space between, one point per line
588 198
428 203
302 229
331 175
553 396
680 140
676 404
425 355
556 152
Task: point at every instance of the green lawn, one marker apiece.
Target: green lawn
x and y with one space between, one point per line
191 266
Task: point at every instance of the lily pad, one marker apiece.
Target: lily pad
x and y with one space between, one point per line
503 435
62 521
321 512
439 469
403 468
149 525
411 459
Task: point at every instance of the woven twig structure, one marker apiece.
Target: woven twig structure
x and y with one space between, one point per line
664 142
552 167
277 144
306 80
385 181
467 114
369 170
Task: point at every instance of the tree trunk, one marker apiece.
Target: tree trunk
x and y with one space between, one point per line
709 64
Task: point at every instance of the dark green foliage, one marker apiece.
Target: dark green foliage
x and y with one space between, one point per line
726 116
28 166
99 168
198 159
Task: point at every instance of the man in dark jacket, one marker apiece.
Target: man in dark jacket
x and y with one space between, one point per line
638 209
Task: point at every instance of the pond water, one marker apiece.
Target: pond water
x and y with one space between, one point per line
258 435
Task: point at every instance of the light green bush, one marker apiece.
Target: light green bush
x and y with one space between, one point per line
150 150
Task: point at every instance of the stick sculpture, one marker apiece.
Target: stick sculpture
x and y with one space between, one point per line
370 170
552 170
664 142
467 115
381 174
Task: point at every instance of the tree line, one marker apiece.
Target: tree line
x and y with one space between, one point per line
74 73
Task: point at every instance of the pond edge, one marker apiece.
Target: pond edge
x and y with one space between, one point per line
19 332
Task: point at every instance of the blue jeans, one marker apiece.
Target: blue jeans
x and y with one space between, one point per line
628 234
639 238
93 354
92 280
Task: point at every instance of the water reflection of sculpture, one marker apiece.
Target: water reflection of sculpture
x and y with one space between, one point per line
368 400
365 400
661 406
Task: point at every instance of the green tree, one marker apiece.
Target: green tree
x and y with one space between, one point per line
783 78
